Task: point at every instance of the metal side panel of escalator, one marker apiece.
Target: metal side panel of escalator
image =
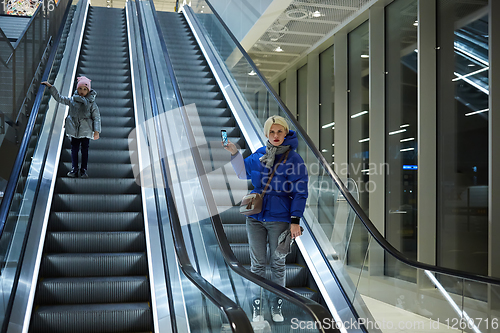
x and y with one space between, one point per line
198 86
94 272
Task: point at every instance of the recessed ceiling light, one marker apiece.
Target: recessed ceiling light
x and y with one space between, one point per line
252 73
316 14
278 49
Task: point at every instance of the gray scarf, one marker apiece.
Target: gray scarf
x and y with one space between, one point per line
271 152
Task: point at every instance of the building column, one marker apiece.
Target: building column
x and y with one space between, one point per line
313 126
291 91
427 137
377 134
341 105
494 142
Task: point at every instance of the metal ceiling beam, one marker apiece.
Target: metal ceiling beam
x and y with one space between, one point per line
302 33
310 20
322 5
275 53
282 43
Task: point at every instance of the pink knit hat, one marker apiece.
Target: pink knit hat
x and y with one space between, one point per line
83 81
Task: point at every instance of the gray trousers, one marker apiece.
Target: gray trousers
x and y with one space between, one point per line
259 235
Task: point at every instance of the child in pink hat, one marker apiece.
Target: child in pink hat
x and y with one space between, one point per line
82 123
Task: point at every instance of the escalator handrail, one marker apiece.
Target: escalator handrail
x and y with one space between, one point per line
318 312
379 238
23 148
237 318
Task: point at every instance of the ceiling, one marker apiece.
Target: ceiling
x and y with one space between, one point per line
287 30
297 28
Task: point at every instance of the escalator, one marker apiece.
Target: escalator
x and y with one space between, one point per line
94 269
363 292
198 86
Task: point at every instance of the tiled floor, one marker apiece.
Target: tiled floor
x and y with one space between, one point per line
391 319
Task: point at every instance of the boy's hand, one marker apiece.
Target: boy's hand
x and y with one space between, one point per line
96 135
231 147
295 230
45 83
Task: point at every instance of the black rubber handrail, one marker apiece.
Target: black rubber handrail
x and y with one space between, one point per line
379 238
318 312
18 164
236 316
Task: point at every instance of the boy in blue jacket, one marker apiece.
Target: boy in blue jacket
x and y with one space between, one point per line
283 204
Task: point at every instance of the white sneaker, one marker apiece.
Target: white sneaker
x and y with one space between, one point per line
257 313
276 313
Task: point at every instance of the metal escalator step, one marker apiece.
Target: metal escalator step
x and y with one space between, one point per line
198 84
107 53
216 152
209 111
231 215
182 43
96 28
236 233
193 74
93 221
198 56
120 317
186 68
93 264
97 203
122 103
99 86
296 275
221 103
179 48
306 292
113 289
114 94
208 121
105 143
116 112
101 170
215 141
118 65
101 40
116 132
101 156
233 133
242 253
92 241
68 185
92 72
194 94
225 197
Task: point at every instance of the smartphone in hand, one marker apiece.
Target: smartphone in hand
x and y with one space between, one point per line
223 133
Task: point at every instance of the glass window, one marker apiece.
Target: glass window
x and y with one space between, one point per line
358 121
326 105
401 133
463 91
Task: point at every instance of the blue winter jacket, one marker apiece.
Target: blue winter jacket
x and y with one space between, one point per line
287 194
